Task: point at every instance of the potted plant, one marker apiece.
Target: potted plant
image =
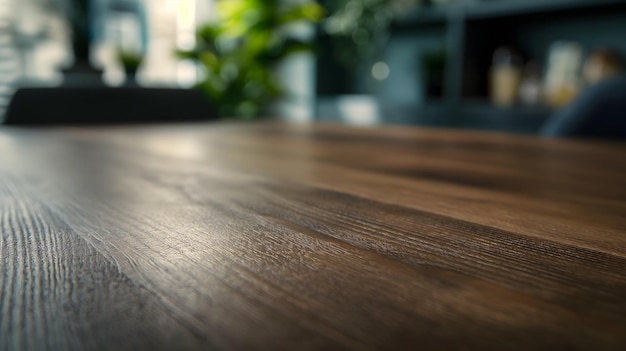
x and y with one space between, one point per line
241 49
130 62
433 66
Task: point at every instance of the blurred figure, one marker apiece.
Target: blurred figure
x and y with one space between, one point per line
601 110
601 65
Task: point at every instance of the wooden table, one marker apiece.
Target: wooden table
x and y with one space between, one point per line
270 236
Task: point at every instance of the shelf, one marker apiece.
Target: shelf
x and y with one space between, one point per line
477 9
471 31
481 114
504 8
484 107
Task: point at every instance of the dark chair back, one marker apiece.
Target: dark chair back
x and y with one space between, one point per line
600 112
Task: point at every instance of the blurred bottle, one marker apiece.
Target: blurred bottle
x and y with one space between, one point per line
562 83
531 86
505 76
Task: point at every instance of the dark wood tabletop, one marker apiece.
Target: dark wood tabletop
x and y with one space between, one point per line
300 237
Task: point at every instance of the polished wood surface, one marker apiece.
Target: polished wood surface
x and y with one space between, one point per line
295 237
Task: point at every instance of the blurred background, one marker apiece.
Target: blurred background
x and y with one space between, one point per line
505 65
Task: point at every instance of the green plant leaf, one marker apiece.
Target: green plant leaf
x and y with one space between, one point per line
310 12
240 50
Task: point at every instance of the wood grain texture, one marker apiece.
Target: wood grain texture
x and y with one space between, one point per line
296 237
